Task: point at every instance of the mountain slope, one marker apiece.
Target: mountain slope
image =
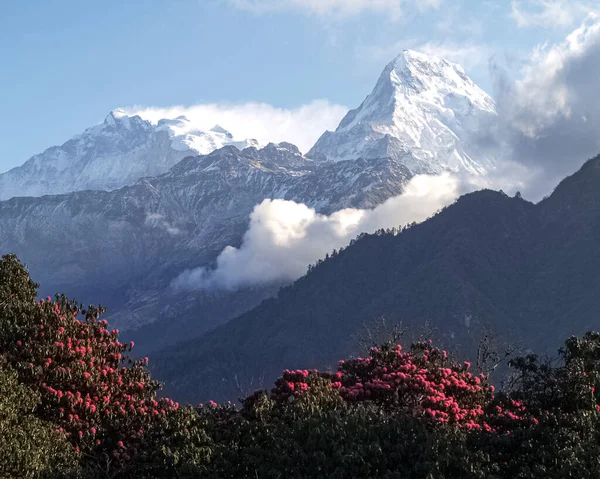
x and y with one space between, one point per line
424 111
486 262
116 153
123 248
177 211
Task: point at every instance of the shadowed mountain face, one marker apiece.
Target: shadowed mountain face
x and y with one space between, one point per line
530 273
129 209
123 248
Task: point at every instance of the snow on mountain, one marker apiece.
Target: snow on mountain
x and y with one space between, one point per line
122 248
170 197
185 137
424 111
118 152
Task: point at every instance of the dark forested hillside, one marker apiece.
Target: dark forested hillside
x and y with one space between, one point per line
488 262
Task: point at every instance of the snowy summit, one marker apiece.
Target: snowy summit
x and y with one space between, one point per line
117 152
423 110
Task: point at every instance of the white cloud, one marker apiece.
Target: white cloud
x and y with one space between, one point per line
301 126
156 220
550 13
551 112
395 8
284 237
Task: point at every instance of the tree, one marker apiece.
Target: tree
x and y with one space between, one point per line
73 404
102 401
29 447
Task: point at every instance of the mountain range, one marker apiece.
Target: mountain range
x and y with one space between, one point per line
115 214
488 264
116 153
130 204
124 247
424 112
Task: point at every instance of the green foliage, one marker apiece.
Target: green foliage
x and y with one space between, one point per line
85 384
563 439
301 439
29 447
547 425
73 404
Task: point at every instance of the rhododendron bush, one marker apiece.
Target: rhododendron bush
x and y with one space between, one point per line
89 410
422 382
416 413
100 400
87 387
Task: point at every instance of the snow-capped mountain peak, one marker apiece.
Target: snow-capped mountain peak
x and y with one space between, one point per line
120 119
424 109
115 153
185 136
431 79
424 74
110 120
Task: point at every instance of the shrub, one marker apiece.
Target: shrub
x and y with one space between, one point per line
421 383
73 403
417 414
29 447
104 403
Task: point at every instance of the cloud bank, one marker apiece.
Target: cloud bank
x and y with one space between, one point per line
301 126
550 114
284 237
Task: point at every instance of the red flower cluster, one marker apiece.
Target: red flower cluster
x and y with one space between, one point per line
422 382
98 397
292 383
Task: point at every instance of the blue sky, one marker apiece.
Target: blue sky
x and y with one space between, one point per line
65 64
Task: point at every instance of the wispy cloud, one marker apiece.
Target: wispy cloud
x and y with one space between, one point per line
469 56
156 220
395 8
301 126
551 13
